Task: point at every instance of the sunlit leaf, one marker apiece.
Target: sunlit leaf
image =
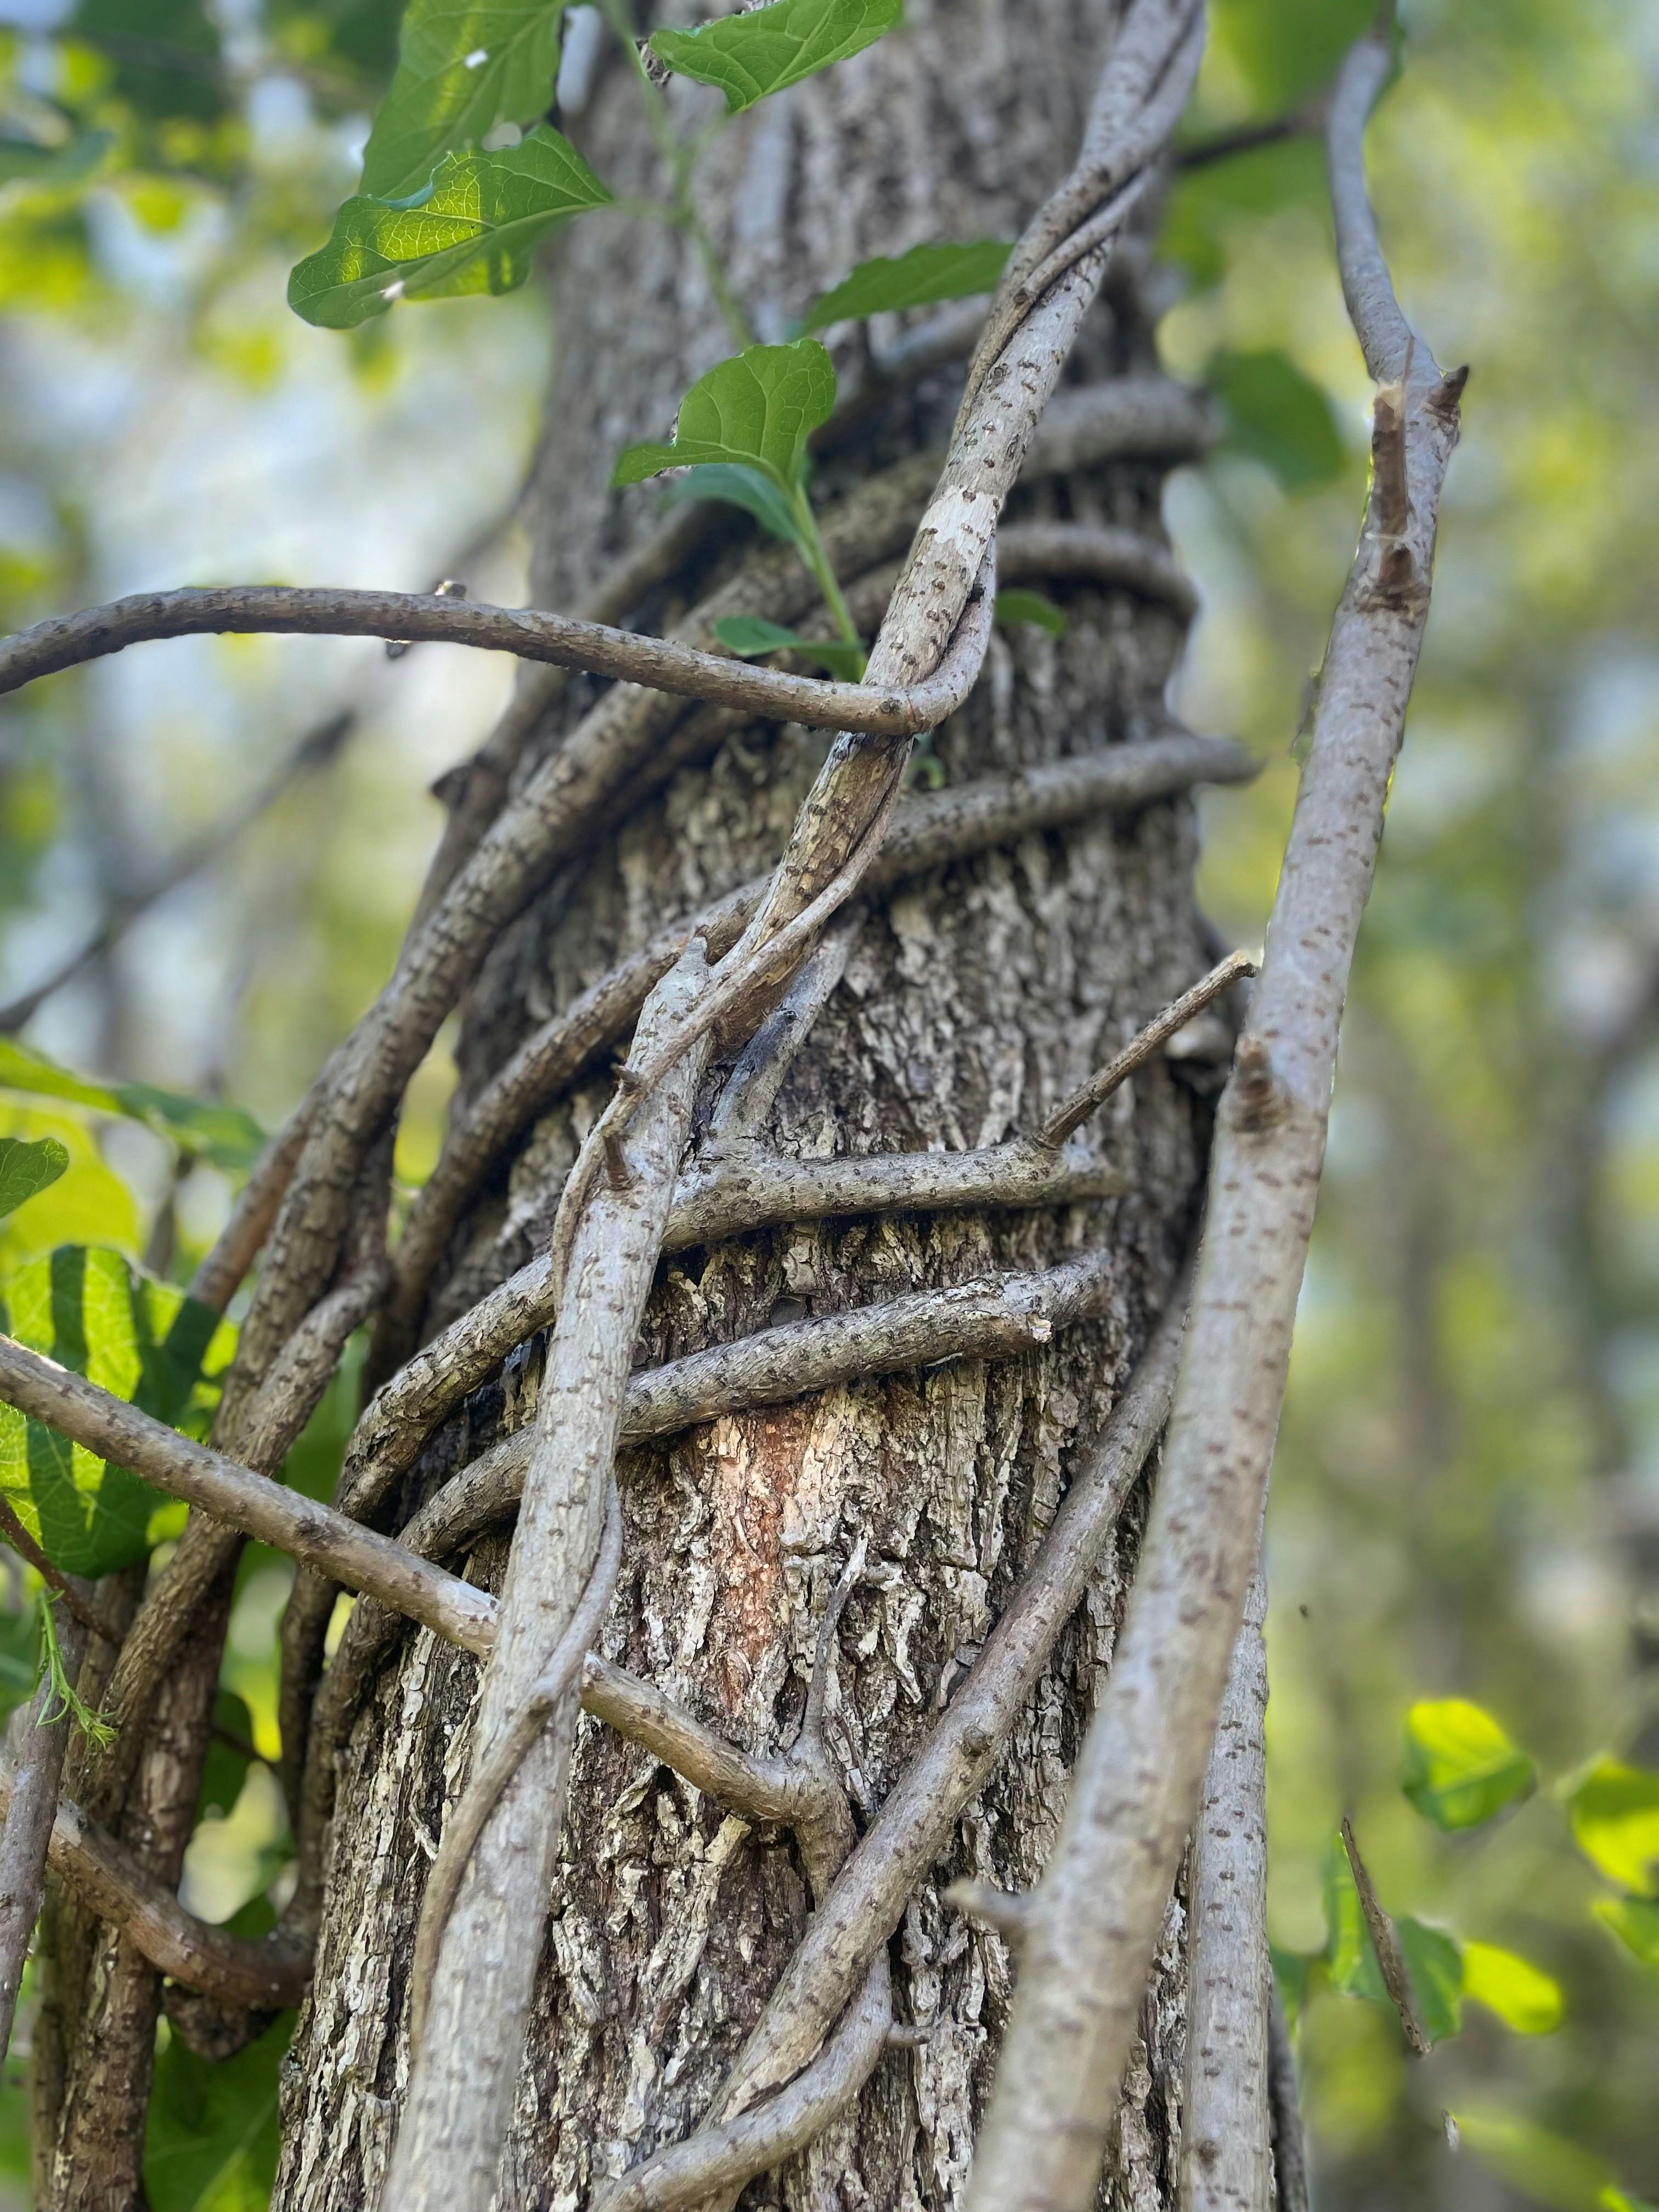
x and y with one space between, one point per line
771 48
1523 1996
227 1135
211 2139
757 496
93 1311
1023 606
756 410
1635 1921
750 636
474 231
1277 415
921 278
1614 1812
1461 1768
27 1169
1545 2168
463 66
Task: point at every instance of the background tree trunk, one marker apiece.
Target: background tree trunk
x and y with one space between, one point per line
972 1000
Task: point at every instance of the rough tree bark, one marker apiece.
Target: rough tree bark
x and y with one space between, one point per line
972 1000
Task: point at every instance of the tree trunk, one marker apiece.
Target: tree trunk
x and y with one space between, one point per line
972 1000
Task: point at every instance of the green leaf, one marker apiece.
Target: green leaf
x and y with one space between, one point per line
27 1169
53 168
463 66
19 1657
211 2138
1545 2168
745 488
1292 1972
1020 606
771 48
1614 1812
226 1135
1283 50
1460 1766
1524 1997
91 1311
1635 1921
750 636
472 231
1277 415
921 278
756 410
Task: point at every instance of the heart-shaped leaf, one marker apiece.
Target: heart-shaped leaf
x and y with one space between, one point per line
1277 415
27 1169
769 49
1460 1766
461 70
91 1311
1524 1996
751 635
472 231
1614 1812
1022 606
225 1135
212 2136
756 410
921 278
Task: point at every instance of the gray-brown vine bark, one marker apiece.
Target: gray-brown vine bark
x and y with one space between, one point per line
973 1001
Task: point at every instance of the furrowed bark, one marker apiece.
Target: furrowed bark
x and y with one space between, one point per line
973 1005
1097 1914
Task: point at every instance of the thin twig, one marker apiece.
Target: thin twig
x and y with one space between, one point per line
1151 1041
1397 1977
1136 1788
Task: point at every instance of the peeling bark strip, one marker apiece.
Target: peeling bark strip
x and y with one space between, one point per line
1099 1909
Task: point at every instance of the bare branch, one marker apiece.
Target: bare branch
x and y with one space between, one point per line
659 663
465 2068
1151 1041
268 1975
241 1499
1396 1980
39 1741
1226 2153
1290 2152
1135 1788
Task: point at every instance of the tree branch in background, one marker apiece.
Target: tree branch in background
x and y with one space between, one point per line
1135 1789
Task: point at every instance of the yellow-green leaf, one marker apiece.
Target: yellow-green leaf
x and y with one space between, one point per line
1545 2168
93 1311
1635 1921
473 231
1614 1812
769 49
1460 1766
226 1135
1523 1996
461 70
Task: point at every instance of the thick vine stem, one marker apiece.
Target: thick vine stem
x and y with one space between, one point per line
1135 1788
241 1499
109 1880
465 2072
659 663
928 831
1226 2148
39 1741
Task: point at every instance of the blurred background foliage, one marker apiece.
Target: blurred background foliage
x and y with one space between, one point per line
1466 1502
